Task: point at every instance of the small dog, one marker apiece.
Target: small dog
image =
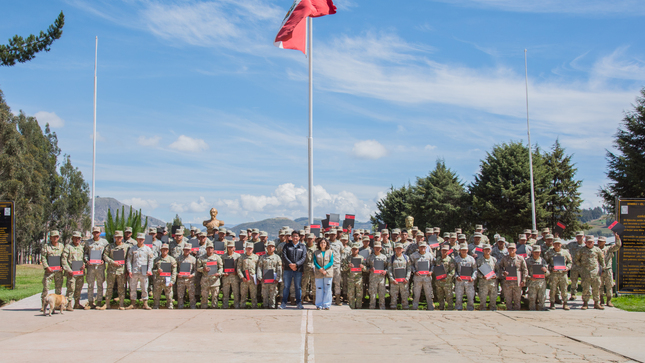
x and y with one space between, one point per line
54 302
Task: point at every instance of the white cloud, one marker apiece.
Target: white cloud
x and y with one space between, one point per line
595 7
193 207
144 204
50 118
369 149
188 144
149 141
430 147
619 65
98 137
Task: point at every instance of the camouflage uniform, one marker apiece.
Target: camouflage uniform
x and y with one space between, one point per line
139 263
402 288
74 283
387 248
186 284
422 282
160 281
558 279
57 276
210 284
354 281
497 253
465 286
336 247
344 252
95 274
607 278
250 263
377 281
575 272
231 282
537 287
445 286
269 291
115 273
178 250
589 261
487 288
512 290
308 280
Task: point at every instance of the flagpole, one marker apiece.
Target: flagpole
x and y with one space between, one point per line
96 51
310 140
528 129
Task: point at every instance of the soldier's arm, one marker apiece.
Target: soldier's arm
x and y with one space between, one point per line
107 252
64 258
568 260
128 261
200 265
615 247
390 274
240 267
525 271
86 254
151 261
43 258
173 267
601 259
475 269
408 270
279 269
258 269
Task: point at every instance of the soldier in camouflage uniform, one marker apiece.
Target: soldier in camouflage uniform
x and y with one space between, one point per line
444 284
51 249
607 277
377 280
115 270
479 231
573 248
422 282
513 289
230 280
248 263
399 260
354 277
487 286
177 243
270 261
94 273
308 280
591 262
71 253
344 252
164 283
210 284
186 283
387 249
465 283
558 279
537 286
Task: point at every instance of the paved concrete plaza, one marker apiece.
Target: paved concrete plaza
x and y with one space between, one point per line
319 336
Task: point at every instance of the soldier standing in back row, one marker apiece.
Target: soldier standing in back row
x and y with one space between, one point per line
52 249
591 262
73 252
95 273
607 278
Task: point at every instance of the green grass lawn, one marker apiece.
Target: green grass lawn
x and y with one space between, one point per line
29 281
630 302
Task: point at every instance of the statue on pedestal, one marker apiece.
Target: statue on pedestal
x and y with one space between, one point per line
213 224
409 223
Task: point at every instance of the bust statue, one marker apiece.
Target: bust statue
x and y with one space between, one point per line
409 222
213 224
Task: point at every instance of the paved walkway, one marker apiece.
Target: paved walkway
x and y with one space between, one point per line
319 336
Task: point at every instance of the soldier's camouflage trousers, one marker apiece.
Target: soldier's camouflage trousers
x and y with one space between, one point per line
337 280
488 289
377 286
512 295
120 281
445 290
402 288
355 290
198 285
559 283
366 281
142 281
590 286
248 288
575 273
57 277
308 284
95 276
159 286
467 287
74 287
185 285
607 283
422 283
536 293
269 292
230 282
209 285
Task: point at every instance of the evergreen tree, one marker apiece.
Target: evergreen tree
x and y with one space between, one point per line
71 208
626 169
393 208
23 50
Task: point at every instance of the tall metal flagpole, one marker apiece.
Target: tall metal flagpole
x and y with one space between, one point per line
96 51
311 123
528 129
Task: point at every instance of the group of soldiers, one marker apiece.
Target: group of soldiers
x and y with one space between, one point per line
249 266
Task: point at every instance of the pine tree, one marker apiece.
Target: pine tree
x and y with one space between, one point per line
393 208
22 50
71 209
626 169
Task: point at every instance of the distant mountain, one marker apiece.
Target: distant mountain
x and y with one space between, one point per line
362 225
103 204
271 226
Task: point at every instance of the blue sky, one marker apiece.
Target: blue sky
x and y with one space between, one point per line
197 108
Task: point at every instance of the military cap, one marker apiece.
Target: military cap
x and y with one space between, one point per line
602 239
326 232
344 237
446 234
165 245
209 244
230 243
311 235
396 231
356 245
496 237
264 234
366 238
243 233
249 229
534 231
202 234
221 230
118 233
160 229
546 230
141 235
527 231
453 235
255 230
486 246
281 233
54 233
398 245
437 229
285 227
270 243
385 231
377 234
461 236
231 233
377 243
301 232
590 238
179 232
429 230
511 245
194 229
248 245
445 247
537 249
151 230
356 232
477 234
521 236
76 234
502 239
548 236
557 240
463 246
479 226
580 233
422 244
415 228
457 230
96 229
187 246
165 228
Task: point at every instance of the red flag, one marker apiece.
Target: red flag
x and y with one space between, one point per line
293 31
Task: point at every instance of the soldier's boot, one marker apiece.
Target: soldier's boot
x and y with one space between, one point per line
596 305
573 297
609 303
558 300
70 306
306 299
430 305
602 299
106 305
145 305
552 305
565 306
338 300
121 303
585 305
156 306
77 305
442 305
130 307
482 306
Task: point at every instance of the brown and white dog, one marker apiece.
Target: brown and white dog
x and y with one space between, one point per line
54 302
